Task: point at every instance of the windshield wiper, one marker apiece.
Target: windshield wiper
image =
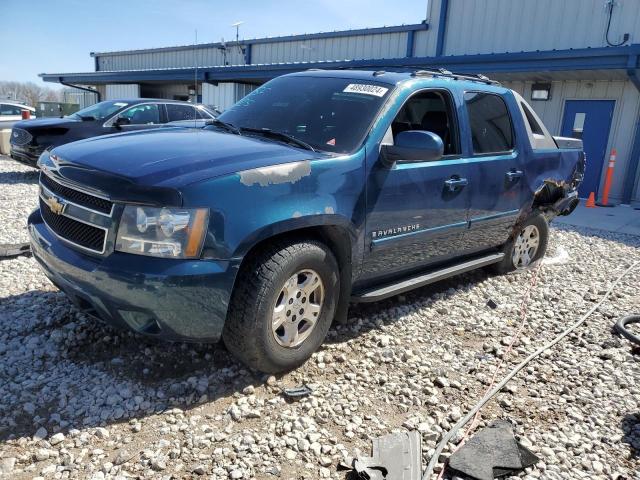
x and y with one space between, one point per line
267 132
229 127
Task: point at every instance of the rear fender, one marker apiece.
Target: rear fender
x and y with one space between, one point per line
554 176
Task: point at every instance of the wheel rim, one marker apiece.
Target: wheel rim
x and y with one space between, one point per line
526 246
297 308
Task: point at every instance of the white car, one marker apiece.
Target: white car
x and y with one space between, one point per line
11 112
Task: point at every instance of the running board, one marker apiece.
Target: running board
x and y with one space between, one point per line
389 290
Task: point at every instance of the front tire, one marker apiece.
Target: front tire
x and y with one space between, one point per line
282 305
527 245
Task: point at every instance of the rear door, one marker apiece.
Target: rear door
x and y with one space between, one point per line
497 188
417 210
177 112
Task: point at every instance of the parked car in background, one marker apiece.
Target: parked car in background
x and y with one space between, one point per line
30 138
11 112
317 189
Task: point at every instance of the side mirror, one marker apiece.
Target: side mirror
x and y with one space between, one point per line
414 146
121 121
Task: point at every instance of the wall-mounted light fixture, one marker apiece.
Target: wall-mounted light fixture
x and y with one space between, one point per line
541 91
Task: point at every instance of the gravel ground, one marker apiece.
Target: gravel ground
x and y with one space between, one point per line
81 400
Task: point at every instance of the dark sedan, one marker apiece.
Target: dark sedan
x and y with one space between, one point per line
29 139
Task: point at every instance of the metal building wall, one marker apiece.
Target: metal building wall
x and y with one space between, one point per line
375 45
174 58
121 91
80 97
387 45
224 95
497 26
426 40
623 124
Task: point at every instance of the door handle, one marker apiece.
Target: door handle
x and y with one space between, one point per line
455 183
513 175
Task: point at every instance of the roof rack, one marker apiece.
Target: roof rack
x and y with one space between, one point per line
442 72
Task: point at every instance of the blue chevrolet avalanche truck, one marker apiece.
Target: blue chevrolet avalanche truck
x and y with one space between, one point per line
318 189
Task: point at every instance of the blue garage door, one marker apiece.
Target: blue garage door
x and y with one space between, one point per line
589 120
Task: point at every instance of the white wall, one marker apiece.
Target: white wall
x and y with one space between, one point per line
224 95
623 124
122 91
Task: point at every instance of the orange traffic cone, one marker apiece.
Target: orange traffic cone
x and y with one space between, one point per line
591 201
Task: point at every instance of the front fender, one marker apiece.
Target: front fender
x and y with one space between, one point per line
292 225
250 206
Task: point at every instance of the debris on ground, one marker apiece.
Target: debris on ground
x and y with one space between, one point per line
560 258
623 329
396 456
297 392
14 249
491 453
492 304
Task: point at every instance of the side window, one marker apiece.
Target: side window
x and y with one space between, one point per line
531 120
144 114
202 114
491 129
177 112
539 136
430 111
6 110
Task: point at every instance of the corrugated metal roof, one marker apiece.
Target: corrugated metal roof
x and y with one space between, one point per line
592 59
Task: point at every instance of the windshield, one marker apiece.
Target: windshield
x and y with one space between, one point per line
99 111
330 114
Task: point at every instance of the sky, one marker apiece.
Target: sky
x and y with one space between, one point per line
56 36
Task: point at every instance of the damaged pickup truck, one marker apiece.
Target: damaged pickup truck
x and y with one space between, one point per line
318 189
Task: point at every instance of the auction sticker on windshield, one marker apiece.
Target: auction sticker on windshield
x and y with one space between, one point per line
366 89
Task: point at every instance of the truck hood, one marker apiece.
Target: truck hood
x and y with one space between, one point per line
172 157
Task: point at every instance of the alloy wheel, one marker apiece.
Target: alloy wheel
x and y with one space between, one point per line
525 247
297 308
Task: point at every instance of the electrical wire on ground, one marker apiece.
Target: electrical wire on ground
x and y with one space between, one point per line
464 420
526 296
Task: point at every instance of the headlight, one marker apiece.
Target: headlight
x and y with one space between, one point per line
44 160
162 232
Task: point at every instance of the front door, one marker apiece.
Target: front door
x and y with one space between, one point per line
143 116
589 120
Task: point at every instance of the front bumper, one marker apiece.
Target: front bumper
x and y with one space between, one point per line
26 154
183 300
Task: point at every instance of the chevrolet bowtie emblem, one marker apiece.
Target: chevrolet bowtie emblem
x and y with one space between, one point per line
56 205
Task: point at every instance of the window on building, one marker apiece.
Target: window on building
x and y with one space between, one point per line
143 114
429 111
491 129
177 112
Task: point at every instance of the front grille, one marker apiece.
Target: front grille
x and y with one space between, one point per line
20 136
69 229
75 196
